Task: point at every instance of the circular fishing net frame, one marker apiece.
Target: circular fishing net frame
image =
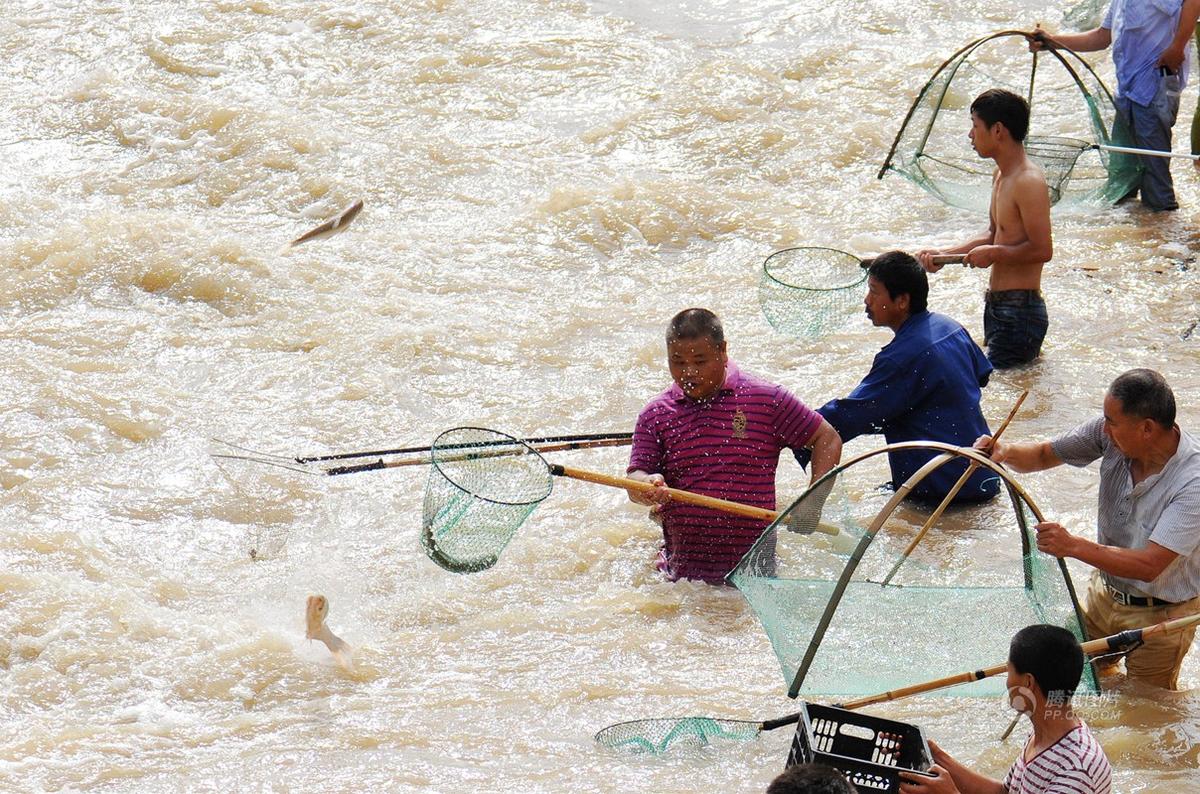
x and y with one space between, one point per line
482 486
1057 157
831 620
1067 99
810 291
657 736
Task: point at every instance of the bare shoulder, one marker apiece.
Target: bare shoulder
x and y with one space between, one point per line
1028 185
1030 175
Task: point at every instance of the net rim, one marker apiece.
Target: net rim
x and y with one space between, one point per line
517 441
1020 497
1058 140
614 736
673 720
849 285
1089 85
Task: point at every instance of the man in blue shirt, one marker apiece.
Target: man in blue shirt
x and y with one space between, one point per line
1149 42
923 386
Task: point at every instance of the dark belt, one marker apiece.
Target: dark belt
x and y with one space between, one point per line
1135 601
1018 296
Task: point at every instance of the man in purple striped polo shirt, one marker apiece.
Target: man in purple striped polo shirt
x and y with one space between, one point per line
1062 756
717 431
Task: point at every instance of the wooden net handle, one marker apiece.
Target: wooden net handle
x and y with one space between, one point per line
938 259
1113 642
677 495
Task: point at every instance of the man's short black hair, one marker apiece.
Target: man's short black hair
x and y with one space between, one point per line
695 324
997 105
900 274
811 779
1144 394
1052 655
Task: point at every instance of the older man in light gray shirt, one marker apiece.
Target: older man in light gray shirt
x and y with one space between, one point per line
1147 557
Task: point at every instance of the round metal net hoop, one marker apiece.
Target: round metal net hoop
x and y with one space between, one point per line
1057 157
1067 98
810 291
656 736
482 486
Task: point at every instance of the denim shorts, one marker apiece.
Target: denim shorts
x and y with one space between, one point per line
1014 325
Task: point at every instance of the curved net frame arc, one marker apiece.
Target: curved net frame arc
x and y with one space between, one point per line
810 291
482 486
834 628
932 149
657 736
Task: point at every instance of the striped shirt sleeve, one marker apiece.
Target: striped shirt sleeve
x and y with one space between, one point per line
647 453
795 423
1072 782
1008 779
1082 444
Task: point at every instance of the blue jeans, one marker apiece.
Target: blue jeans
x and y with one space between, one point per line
1151 129
1014 325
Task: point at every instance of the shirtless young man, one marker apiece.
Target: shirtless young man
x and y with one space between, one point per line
1017 243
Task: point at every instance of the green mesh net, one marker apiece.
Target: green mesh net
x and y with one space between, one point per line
810 291
1067 100
482 486
657 736
974 580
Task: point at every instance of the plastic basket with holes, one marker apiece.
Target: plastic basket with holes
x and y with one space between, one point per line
869 751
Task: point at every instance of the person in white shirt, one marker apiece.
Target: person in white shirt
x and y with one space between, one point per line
1062 756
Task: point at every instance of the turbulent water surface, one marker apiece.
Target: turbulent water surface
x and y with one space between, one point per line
545 184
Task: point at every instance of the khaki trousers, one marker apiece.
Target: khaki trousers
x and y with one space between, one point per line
1158 661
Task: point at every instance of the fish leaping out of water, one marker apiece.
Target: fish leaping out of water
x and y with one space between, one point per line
315 610
329 228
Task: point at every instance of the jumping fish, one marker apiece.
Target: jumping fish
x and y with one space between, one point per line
315 610
329 227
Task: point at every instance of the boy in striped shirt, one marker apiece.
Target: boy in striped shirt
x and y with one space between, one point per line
717 431
1062 756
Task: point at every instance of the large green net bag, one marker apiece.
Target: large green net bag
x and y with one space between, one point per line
1066 98
972 583
658 736
482 486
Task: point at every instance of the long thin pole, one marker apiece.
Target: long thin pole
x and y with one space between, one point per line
409 450
1144 152
958 486
1113 642
676 495
515 449
938 259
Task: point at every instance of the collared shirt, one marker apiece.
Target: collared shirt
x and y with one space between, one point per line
1163 508
1141 30
1075 764
725 446
924 385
